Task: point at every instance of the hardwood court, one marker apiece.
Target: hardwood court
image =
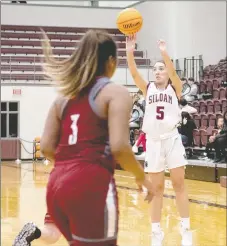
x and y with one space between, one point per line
23 200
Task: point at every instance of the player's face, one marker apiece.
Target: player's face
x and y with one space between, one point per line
160 73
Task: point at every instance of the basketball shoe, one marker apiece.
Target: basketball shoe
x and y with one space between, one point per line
28 233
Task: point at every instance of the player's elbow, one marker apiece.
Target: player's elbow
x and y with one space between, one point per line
46 150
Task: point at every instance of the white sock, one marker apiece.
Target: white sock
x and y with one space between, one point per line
185 223
156 227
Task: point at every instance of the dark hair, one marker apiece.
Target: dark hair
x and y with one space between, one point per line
184 79
185 115
83 66
183 102
191 79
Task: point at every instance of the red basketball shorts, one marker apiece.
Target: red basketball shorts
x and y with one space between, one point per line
83 205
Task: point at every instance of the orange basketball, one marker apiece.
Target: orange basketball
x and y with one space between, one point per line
129 21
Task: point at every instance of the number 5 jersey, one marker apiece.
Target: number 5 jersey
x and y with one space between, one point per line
162 112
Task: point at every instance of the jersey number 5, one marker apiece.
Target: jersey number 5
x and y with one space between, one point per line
73 137
160 113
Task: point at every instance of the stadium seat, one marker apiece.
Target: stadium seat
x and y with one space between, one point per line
195 104
55 29
196 135
197 119
203 106
222 93
209 85
202 87
203 137
33 43
210 106
212 120
224 104
204 121
216 93
217 106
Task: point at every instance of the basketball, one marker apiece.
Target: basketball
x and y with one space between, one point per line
129 21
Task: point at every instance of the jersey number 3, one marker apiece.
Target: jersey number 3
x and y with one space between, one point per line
73 137
160 113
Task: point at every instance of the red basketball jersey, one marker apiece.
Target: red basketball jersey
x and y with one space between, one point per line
84 136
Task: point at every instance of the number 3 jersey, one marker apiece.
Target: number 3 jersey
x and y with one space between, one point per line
84 136
162 112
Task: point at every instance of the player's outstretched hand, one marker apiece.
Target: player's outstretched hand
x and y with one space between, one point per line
131 42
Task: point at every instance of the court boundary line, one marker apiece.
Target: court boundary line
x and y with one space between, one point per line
195 201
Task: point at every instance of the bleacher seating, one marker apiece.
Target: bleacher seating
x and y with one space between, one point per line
21 50
210 110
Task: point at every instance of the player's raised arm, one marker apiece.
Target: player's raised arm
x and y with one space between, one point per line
130 47
176 82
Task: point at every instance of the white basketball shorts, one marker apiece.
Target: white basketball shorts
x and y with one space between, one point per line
164 153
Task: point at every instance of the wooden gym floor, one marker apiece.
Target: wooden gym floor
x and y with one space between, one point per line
23 200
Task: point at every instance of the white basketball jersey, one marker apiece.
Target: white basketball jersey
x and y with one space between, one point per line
162 112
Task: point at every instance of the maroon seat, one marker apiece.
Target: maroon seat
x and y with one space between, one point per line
203 106
34 77
216 83
209 130
209 86
197 119
196 135
51 36
204 121
222 93
217 106
37 60
224 104
216 93
56 29
195 104
59 52
218 115
202 86
212 120
210 106
203 137
22 68
13 42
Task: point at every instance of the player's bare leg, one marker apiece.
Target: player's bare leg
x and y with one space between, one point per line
177 176
48 234
156 208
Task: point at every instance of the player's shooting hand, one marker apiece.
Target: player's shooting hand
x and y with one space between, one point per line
161 45
131 42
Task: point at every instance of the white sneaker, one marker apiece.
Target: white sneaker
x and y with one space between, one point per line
157 238
135 149
186 238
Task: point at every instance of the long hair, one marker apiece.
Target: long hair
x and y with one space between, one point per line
88 61
185 115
